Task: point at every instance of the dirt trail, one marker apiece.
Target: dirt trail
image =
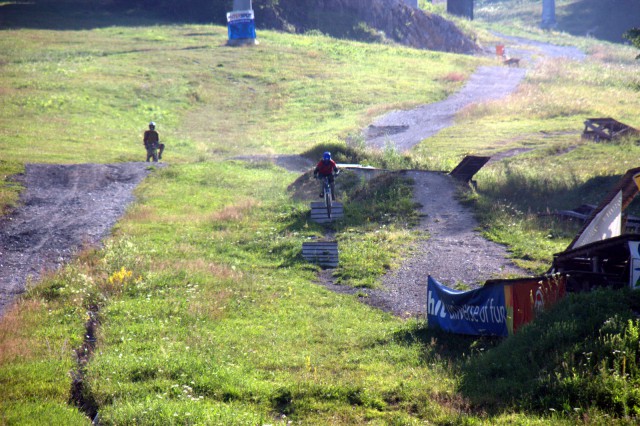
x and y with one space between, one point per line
455 252
405 129
63 208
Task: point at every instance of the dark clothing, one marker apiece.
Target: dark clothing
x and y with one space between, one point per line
151 138
152 143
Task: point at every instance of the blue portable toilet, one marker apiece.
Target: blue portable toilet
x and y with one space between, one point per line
241 24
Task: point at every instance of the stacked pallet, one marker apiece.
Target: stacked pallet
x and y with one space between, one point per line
323 253
319 212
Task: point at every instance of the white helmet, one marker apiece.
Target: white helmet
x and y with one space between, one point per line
152 124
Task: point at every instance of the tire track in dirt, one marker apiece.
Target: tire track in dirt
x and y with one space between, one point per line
64 208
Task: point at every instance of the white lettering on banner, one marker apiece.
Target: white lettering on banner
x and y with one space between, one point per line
239 16
433 307
488 313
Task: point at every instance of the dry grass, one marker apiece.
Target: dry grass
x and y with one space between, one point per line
211 269
234 212
454 77
14 343
212 305
141 213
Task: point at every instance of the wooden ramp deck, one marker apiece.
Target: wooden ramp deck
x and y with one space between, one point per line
319 212
323 253
469 166
598 129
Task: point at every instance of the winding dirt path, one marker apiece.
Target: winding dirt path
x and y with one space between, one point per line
64 208
405 129
455 252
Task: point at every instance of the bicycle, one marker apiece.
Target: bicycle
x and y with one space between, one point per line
327 195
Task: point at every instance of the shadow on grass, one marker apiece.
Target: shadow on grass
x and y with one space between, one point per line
453 349
548 193
75 15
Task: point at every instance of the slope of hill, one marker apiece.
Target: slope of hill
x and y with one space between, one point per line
369 20
605 20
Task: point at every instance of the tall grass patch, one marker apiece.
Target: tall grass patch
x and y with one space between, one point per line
585 359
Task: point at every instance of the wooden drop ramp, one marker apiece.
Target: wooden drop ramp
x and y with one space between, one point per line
323 253
319 212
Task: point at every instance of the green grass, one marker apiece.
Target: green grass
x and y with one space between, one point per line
208 313
585 18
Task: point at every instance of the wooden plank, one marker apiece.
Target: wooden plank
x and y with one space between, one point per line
320 204
468 167
324 209
322 216
319 212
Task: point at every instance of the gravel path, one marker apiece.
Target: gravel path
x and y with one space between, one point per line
64 208
405 129
455 253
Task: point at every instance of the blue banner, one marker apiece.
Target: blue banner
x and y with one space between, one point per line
241 25
476 312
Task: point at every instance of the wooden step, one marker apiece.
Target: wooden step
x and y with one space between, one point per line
319 212
323 253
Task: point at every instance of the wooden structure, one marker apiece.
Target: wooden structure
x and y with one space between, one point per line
607 129
468 167
604 262
323 253
319 212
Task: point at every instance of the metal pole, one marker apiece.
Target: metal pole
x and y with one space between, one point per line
548 14
242 5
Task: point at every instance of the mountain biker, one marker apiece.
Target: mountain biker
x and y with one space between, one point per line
152 143
327 167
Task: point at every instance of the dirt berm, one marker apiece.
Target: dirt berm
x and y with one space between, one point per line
366 20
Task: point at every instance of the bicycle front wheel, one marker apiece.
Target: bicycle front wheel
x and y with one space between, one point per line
327 202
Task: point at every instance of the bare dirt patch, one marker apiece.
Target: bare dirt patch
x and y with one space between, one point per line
64 208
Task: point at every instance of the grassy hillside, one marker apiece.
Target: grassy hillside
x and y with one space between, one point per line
207 313
604 20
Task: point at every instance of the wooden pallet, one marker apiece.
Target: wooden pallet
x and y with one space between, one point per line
323 253
598 129
319 212
469 166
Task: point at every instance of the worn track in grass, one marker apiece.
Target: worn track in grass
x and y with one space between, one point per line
63 209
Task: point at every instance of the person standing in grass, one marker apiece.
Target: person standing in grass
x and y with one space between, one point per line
152 143
327 167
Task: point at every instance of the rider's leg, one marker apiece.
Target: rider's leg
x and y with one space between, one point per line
161 147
